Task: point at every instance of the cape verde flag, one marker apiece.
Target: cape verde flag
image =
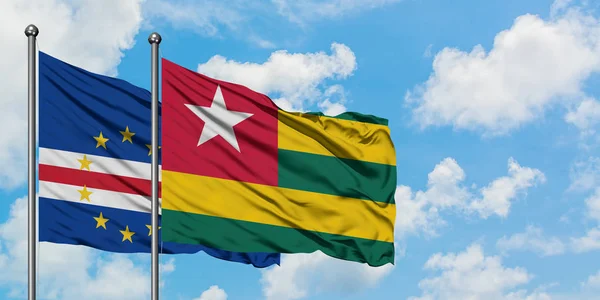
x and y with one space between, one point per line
94 165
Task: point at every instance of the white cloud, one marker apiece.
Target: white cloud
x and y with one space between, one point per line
497 195
213 293
559 6
332 108
75 31
585 175
301 275
472 275
523 295
586 116
532 240
296 78
588 291
262 43
309 10
427 53
118 278
211 18
592 204
334 101
204 16
589 242
167 267
68 271
593 282
240 17
420 211
532 66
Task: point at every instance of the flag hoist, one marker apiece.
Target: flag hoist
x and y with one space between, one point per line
31 32
154 39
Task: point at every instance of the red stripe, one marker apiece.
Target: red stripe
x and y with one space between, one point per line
122 184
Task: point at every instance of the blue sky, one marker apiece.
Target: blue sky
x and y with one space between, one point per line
493 110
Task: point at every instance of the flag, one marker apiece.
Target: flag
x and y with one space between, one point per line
94 165
243 175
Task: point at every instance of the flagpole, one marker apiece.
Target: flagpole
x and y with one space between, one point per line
31 32
154 39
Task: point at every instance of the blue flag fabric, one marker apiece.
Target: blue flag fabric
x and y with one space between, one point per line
94 165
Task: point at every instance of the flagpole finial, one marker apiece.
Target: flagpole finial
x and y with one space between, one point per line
32 30
154 38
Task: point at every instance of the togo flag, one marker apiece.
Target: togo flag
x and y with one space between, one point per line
240 174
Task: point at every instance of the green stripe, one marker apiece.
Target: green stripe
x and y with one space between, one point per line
354 116
242 236
336 176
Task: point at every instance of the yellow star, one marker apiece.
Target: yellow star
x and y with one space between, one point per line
85 163
150 149
127 135
85 194
101 141
101 221
150 229
127 234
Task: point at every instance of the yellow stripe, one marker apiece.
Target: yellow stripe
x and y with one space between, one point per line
278 206
336 137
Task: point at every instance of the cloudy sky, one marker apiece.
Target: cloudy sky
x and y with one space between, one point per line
494 112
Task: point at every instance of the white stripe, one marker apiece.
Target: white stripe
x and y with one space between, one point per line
101 164
67 192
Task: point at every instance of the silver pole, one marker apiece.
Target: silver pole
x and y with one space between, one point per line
31 32
154 40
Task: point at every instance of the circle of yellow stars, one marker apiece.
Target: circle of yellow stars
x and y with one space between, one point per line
101 221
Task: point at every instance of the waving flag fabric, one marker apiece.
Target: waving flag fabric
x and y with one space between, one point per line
242 175
94 165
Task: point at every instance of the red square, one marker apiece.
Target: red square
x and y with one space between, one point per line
256 162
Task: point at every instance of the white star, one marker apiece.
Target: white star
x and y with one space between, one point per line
218 120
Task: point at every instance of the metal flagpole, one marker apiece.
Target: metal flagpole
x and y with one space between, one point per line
31 32
154 40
